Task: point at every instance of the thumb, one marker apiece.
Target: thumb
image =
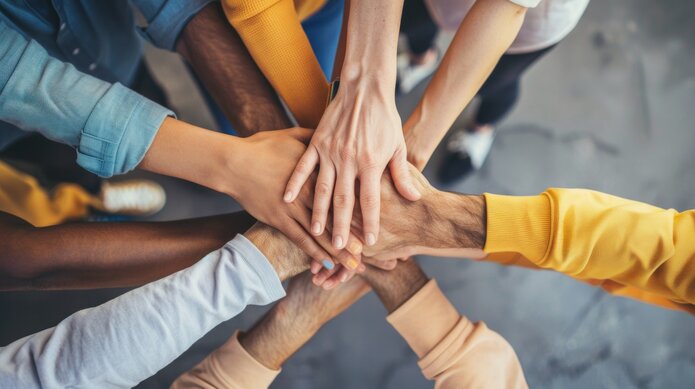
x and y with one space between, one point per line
301 134
400 172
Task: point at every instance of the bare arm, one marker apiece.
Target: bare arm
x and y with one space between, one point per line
222 62
484 35
103 255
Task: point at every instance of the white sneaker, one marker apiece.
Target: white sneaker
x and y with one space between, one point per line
476 144
410 75
131 197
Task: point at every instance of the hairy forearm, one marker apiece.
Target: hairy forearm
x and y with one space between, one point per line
395 287
224 65
286 258
105 255
484 35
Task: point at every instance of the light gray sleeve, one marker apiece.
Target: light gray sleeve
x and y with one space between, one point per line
527 3
130 338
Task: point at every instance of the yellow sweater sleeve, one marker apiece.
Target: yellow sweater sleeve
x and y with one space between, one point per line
272 33
594 236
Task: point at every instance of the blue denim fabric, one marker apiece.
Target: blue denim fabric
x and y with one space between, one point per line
100 39
110 126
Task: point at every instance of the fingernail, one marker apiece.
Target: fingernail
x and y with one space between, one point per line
316 228
355 248
328 284
288 196
327 264
338 242
352 263
371 239
343 277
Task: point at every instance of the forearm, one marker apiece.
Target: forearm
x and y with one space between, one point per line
371 41
395 287
107 255
194 154
485 34
112 344
230 75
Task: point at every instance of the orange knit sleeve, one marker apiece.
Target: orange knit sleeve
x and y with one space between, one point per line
272 33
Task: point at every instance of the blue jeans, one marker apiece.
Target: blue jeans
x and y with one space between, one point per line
323 31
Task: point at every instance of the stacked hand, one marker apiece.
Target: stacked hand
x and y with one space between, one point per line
271 157
358 136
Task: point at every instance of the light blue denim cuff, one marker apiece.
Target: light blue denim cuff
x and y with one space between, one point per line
119 131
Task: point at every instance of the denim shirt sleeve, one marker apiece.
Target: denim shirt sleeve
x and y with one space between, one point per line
111 126
167 18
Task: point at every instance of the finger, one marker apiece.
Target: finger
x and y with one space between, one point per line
400 172
340 277
324 275
306 243
305 166
343 206
301 134
370 204
315 267
322 198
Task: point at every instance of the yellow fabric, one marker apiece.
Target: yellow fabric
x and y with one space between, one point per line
272 33
626 247
22 196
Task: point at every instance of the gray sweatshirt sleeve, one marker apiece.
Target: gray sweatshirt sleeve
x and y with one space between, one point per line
130 338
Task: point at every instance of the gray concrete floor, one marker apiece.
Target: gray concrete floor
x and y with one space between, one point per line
609 109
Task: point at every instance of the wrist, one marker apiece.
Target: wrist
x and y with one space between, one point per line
283 255
459 219
395 287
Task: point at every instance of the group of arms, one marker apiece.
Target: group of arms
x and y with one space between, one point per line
380 218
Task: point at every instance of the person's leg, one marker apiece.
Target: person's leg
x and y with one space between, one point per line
468 148
323 31
418 27
422 57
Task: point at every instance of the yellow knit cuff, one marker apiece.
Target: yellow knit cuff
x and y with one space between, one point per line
518 224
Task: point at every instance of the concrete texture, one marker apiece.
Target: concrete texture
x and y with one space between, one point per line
609 109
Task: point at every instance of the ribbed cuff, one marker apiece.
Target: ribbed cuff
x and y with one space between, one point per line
518 224
239 369
425 319
230 366
261 266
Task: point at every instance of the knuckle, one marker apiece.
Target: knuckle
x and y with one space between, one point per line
369 201
345 154
340 201
323 189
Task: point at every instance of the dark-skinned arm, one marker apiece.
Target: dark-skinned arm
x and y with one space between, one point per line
222 62
103 255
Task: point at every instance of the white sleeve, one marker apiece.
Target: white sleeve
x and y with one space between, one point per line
527 3
130 338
